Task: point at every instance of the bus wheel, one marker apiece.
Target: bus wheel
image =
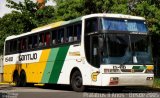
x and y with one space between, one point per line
23 79
77 82
16 79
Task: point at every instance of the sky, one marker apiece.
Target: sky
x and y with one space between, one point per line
4 9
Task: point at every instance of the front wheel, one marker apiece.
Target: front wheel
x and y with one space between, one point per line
77 82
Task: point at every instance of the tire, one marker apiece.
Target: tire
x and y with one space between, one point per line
16 79
77 82
23 79
30 84
117 89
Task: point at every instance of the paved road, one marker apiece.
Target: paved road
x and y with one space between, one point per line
66 92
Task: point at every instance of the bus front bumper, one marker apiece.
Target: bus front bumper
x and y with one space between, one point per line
127 79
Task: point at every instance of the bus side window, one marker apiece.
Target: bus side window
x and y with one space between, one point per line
13 46
70 34
61 38
7 47
24 44
35 41
91 25
54 37
41 40
48 39
77 32
30 46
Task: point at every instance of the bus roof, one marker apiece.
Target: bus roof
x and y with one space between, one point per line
110 15
61 23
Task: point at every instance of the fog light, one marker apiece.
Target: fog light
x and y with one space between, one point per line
149 78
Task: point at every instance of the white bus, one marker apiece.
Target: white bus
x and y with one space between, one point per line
92 50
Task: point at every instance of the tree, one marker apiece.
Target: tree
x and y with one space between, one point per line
69 9
24 18
13 24
31 11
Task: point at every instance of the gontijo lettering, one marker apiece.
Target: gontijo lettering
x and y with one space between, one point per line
27 57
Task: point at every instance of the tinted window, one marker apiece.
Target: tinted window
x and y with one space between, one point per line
70 34
77 32
54 37
91 25
13 46
61 38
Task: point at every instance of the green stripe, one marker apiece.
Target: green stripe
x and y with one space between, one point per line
49 65
139 67
58 64
135 67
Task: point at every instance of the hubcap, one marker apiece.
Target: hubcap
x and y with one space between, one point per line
78 81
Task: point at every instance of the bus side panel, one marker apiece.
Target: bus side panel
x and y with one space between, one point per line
8 72
74 59
54 65
34 71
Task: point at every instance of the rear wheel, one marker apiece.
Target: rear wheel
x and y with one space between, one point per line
77 82
16 79
23 79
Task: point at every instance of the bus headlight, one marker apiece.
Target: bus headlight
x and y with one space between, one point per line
149 69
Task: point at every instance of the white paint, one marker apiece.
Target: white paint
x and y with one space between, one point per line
17 61
1 64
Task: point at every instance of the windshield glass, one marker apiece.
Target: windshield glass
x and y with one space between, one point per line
126 49
141 50
124 25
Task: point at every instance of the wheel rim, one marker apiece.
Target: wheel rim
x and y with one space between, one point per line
78 81
23 80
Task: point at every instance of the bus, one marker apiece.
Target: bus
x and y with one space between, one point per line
100 49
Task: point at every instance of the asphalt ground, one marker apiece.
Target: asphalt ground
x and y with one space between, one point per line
62 91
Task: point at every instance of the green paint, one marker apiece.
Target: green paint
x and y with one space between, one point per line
57 67
49 65
139 67
143 67
135 67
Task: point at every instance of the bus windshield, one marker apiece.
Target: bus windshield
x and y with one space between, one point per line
126 49
124 25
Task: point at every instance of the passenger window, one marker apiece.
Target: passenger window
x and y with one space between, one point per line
30 44
41 40
91 25
13 45
77 32
35 41
54 37
61 38
7 47
70 34
48 39
22 44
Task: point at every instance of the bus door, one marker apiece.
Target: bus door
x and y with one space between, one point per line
95 59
